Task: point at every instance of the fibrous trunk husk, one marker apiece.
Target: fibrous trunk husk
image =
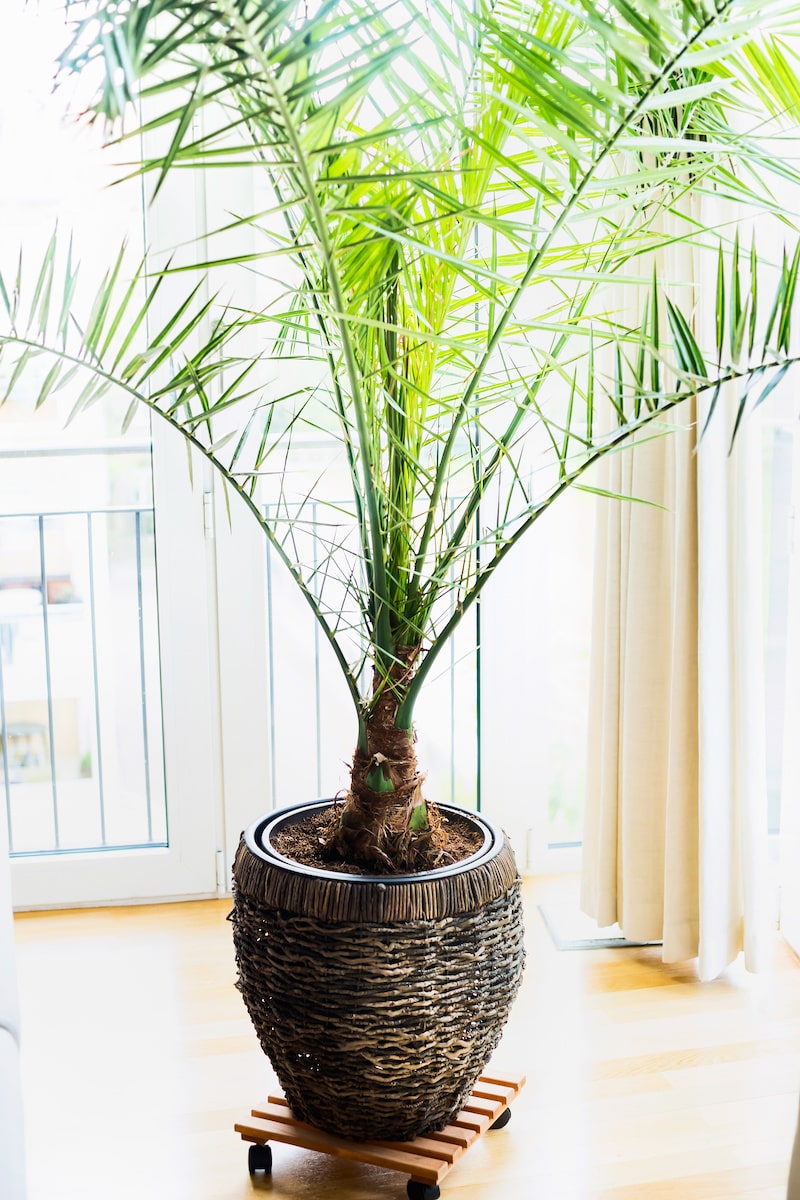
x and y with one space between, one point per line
375 825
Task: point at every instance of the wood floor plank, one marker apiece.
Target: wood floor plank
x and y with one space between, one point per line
694 1056
759 1183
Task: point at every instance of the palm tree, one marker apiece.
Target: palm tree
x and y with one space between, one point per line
456 191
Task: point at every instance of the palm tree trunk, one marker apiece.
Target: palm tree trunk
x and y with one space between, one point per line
385 820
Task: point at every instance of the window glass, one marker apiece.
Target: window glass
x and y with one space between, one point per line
82 752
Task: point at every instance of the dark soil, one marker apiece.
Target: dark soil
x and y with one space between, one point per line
304 841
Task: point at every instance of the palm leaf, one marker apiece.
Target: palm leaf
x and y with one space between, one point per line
455 189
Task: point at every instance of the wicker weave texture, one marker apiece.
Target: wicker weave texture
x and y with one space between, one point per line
379 1031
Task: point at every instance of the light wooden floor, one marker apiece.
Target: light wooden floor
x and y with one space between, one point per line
643 1084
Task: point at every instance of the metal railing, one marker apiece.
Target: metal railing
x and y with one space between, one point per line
56 733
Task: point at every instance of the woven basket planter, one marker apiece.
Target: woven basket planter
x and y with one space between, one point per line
378 1000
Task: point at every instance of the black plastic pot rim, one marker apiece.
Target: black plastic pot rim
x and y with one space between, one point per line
257 837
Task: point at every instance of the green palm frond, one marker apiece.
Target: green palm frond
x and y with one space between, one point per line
458 195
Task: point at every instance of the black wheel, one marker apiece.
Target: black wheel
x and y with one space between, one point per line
259 1158
422 1191
502 1120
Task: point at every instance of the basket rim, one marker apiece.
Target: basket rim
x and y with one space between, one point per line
256 837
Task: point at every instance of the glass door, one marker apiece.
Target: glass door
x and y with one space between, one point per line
104 683
107 711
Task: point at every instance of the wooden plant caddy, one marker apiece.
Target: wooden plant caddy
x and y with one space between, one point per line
425 1159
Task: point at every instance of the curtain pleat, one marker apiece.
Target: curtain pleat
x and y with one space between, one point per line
642 770
675 830
733 814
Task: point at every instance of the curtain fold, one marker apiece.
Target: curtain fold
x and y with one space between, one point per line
733 815
676 830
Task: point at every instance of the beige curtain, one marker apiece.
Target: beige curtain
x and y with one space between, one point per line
793 1190
675 834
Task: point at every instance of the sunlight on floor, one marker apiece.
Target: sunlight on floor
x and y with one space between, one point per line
642 1082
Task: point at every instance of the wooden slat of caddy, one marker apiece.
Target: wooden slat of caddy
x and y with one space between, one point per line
485 1092
428 1147
484 1108
516 1084
475 1121
279 1112
415 1165
457 1137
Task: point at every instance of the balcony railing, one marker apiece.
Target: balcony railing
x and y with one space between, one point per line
80 706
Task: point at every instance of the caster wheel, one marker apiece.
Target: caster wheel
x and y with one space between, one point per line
502 1120
259 1158
422 1191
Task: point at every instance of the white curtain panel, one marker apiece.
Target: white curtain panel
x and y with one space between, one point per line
793 1189
641 830
675 836
790 768
734 895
